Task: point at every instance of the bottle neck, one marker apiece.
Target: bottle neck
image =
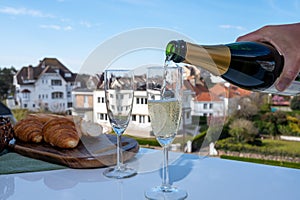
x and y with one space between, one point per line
215 58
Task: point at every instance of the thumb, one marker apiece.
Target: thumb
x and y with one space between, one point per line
288 75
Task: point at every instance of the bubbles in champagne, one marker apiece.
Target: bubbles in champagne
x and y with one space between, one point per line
165 119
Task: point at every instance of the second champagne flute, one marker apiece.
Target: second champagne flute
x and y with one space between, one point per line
164 93
119 91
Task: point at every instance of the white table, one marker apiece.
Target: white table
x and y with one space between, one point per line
203 177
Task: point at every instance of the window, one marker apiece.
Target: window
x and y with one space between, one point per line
56 82
57 95
101 116
133 117
210 106
26 95
120 108
137 100
146 102
69 94
188 115
142 119
205 106
86 99
68 75
142 100
121 96
98 99
102 100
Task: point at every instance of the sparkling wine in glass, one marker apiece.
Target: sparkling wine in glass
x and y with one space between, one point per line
164 93
119 90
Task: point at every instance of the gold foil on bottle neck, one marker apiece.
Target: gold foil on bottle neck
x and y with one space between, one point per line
216 58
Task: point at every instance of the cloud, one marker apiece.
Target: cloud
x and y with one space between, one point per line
227 26
88 24
24 11
56 27
85 24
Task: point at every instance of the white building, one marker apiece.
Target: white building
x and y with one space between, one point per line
140 119
47 86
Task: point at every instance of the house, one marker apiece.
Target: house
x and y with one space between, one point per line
204 102
83 100
46 86
279 102
140 120
229 94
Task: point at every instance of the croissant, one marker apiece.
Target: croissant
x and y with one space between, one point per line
61 132
42 117
29 130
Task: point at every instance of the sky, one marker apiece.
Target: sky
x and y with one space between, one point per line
71 30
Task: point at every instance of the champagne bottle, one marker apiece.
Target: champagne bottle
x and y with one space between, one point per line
249 65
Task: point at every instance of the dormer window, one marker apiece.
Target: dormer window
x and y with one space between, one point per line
56 82
68 75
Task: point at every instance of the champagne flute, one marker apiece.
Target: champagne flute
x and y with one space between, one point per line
119 90
164 92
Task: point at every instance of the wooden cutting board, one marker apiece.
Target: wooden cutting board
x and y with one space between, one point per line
91 152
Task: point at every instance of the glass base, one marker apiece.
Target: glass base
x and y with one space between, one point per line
165 193
119 173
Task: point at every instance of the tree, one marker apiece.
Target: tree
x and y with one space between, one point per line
246 108
272 121
243 130
295 103
6 82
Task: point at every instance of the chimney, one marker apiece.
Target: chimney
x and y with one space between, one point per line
30 72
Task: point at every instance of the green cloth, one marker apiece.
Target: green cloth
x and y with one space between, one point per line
11 163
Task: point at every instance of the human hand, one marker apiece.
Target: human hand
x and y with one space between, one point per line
286 39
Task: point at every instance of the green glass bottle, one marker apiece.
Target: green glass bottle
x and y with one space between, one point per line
249 65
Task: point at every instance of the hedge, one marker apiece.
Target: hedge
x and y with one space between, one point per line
262 161
229 145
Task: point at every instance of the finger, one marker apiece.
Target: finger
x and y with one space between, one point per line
260 35
288 75
250 37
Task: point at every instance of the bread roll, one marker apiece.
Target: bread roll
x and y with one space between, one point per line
29 130
42 117
61 132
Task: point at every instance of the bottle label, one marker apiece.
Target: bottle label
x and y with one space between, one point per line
215 58
292 90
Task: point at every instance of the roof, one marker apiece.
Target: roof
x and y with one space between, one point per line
25 91
230 92
28 74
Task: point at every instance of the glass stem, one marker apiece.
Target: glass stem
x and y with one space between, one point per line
119 153
165 171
